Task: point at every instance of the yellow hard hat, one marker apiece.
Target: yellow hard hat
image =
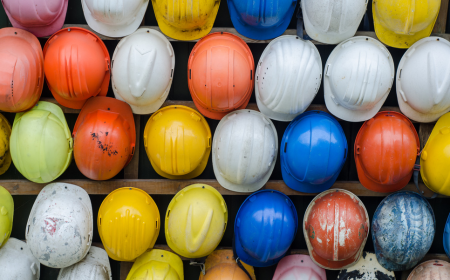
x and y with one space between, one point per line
196 220
401 23
5 134
435 158
185 19
157 265
221 265
177 140
128 223
6 215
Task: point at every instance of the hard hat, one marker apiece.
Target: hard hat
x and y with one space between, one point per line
177 140
367 268
245 151
260 19
59 228
196 220
42 18
386 149
431 270
423 90
41 145
257 241
157 264
114 18
313 152
104 137
76 66
298 267
6 215
5 154
22 64
434 158
185 20
17 262
343 248
403 228
358 77
142 70
221 265
94 266
332 22
446 239
220 74
128 223
288 77
401 23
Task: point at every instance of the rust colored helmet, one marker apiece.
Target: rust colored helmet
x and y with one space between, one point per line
221 265
386 149
22 70
220 74
431 270
336 226
104 137
76 66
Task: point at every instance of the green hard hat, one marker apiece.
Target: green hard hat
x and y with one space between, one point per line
6 215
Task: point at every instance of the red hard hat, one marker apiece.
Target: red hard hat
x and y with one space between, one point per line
104 137
386 149
220 74
21 70
76 66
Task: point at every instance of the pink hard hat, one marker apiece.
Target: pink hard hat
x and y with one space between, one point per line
40 17
297 267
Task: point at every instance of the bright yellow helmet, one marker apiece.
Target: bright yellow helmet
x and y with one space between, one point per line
5 134
177 140
6 215
157 265
128 223
185 19
196 220
435 158
401 23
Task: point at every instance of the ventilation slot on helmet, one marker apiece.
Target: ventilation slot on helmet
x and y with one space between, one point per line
285 146
190 77
168 214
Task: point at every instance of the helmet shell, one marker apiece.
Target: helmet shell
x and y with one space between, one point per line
298 267
17 261
431 270
94 266
157 264
6 215
221 265
446 239
367 268
5 153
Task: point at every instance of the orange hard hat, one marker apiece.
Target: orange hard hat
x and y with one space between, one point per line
335 227
76 66
22 70
386 149
221 265
220 74
104 137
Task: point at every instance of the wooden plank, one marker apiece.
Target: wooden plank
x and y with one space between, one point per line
125 268
424 133
441 21
171 187
131 171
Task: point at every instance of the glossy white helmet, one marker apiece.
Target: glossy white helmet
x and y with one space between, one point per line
332 22
94 266
142 70
17 262
114 18
357 78
59 228
423 80
245 150
288 77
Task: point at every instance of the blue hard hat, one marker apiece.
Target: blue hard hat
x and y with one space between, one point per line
265 226
447 237
403 229
313 151
261 19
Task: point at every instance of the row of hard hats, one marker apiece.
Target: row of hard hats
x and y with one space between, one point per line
397 23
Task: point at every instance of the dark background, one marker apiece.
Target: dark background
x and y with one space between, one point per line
180 91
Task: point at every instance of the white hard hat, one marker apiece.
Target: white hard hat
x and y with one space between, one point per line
142 69
288 77
59 228
94 266
17 262
114 18
245 150
332 22
357 78
423 82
